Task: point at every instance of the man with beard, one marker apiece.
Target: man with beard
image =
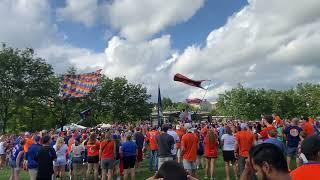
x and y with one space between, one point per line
267 162
311 150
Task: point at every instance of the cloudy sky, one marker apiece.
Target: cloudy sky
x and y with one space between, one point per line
259 43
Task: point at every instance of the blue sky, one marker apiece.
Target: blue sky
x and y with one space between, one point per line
212 15
262 44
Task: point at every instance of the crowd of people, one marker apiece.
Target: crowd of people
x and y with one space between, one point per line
254 149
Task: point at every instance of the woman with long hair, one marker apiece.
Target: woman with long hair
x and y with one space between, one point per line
59 165
107 155
129 154
77 154
210 153
93 147
228 143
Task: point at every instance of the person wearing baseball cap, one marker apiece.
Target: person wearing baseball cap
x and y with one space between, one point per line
244 141
189 148
311 150
30 157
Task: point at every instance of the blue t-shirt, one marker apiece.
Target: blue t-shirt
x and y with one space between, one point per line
292 133
31 154
16 150
221 132
129 148
278 143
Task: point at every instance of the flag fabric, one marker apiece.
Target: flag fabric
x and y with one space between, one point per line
81 84
194 101
181 78
159 108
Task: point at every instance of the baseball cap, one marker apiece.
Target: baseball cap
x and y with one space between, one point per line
244 126
178 126
27 134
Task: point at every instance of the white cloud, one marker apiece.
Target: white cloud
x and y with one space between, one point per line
277 40
138 21
80 11
26 23
64 56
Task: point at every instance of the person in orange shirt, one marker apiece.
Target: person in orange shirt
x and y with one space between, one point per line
151 139
267 121
180 133
307 126
28 143
93 147
210 152
244 141
311 150
189 148
107 155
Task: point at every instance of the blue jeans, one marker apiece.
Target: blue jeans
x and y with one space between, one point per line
153 160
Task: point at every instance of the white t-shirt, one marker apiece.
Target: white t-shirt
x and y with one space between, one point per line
2 149
77 150
61 153
176 139
228 142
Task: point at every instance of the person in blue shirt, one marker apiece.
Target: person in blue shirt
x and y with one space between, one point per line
292 132
129 153
16 160
273 140
30 156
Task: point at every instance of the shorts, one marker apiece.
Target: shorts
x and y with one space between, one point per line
60 162
163 160
116 162
93 159
292 151
13 164
77 160
129 162
139 156
107 163
228 156
189 165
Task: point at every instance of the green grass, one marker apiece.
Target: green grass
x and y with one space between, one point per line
142 173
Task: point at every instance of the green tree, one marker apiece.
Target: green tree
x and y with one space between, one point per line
25 87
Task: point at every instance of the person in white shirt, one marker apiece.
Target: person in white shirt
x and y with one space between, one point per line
176 138
77 151
228 142
59 165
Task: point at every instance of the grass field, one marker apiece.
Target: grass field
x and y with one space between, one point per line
143 172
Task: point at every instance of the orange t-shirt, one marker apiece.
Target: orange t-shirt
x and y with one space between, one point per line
152 138
308 129
204 131
210 149
28 143
93 149
245 140
180 133
190 143
307 171
264 133
107 148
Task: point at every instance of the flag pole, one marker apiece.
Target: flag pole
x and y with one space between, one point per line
202 99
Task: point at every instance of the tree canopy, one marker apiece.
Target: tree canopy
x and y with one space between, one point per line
249 103
30 96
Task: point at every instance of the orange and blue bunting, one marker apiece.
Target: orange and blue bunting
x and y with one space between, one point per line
80 85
